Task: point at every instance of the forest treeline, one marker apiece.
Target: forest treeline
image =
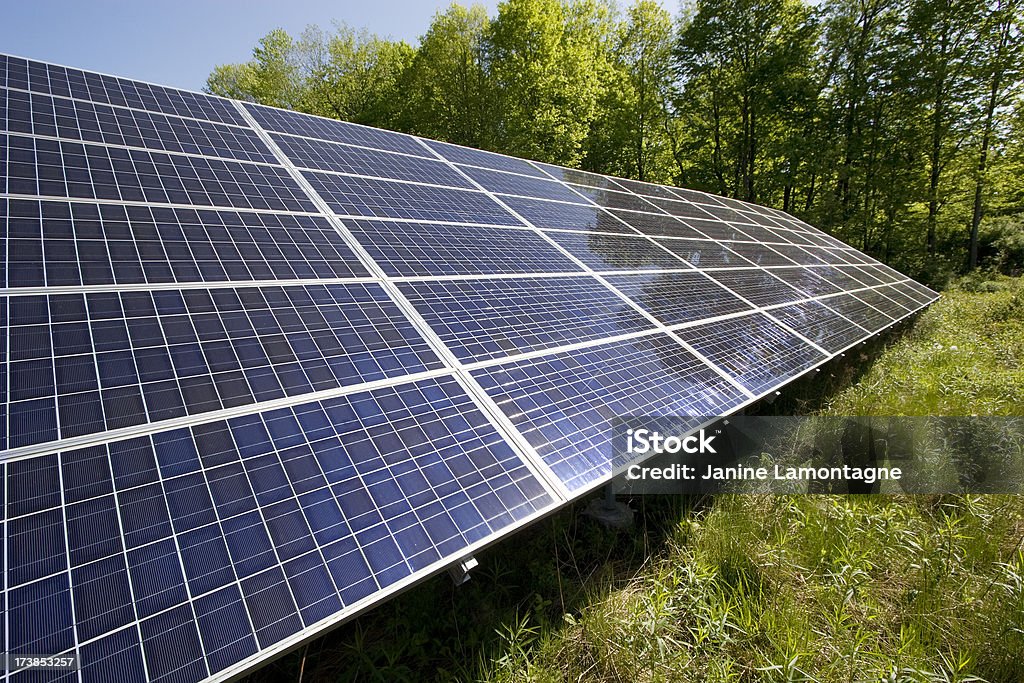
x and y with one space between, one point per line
897 125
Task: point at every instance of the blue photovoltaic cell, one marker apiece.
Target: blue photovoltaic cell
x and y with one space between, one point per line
617 252
613 199
578 177
759 254
820 324
477 157
271 522
483 319
525 186
681 209
757 286
758 352
102 361
53 243
558 215
705 253
60 81
354 196
414 249
37 114
327 156
656 224
806 280
676 298
335 131
855 309
53 168
563 403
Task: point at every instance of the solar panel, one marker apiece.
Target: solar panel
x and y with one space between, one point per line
261 370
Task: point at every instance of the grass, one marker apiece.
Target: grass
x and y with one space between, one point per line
749 588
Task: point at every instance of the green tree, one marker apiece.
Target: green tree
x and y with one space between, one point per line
546 61
273 76
631 136
449 94
745 62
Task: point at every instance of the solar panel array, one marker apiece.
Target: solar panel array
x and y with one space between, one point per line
262 369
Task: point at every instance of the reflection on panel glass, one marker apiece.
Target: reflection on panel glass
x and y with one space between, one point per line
807 280
511 183
704 253
406 249
865 315
478 157
563 403
562 216
676 298
820 324
615 252
760 254
483 319
656 224
757 286
755 350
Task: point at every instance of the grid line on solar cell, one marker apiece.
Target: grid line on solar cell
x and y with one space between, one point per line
704 253
876 298
679 208
758 352
500 182
52 79
616 252
478 157
405 249
304 503
805 280
561 216
307 126
75 120
656 224
83 364
646 189
899 296
486 319
51 168
717 230
677 298
578 177
614 199
757 286
820 324
563 402
864 314
759 254
341 158
354 196
53 243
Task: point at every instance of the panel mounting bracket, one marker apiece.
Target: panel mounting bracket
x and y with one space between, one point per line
460 570
608 511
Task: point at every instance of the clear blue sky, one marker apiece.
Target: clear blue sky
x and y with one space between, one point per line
177 43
